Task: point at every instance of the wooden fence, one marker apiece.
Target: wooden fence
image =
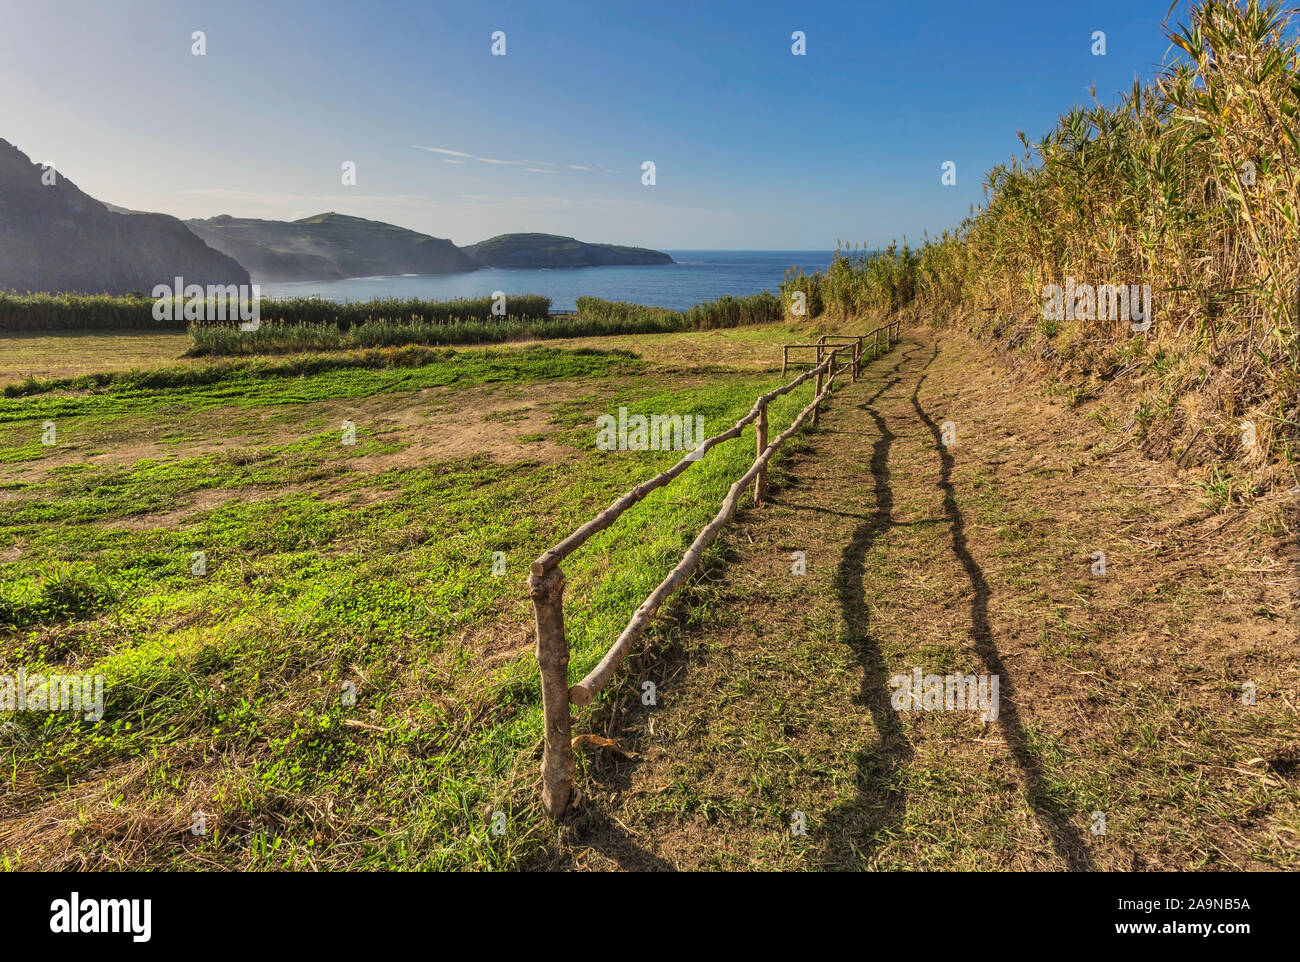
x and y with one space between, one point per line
888 333
546 580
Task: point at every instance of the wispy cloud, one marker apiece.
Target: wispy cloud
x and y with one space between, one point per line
443 150
621 205
533 166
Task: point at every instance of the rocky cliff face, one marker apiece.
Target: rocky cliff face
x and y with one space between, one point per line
328 247
58 239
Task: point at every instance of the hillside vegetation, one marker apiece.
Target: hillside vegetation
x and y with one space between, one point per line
328 247
1189 184
55 237
551 250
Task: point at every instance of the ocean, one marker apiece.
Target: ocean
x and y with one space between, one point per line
696 276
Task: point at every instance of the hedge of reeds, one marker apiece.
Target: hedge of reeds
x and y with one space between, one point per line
81 312
809 285
595 318
595 308
62 312
277 338
725 311
729 311
394 310
1189 184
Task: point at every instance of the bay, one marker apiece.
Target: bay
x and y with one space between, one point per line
696 276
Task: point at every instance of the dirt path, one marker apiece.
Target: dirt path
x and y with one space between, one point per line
1120 694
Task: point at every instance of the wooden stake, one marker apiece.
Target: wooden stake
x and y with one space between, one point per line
553 556
585 691
547 592
760 482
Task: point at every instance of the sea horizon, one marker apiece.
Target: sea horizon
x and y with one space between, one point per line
695 275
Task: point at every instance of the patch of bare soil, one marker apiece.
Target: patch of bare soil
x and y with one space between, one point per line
442 424
206 499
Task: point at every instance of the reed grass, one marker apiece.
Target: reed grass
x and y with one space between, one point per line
1191 184
61 312
726 311
280 338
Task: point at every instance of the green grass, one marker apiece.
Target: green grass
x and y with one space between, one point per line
223 692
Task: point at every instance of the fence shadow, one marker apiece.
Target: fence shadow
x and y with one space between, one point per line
1066 839
859 826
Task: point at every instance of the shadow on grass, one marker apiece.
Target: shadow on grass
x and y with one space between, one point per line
1066 840
854 830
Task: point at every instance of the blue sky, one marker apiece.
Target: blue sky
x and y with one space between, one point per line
754 147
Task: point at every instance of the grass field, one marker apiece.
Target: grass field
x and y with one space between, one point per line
347 684
326 564
63 355
68 353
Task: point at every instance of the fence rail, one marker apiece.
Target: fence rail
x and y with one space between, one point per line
886 332
546 580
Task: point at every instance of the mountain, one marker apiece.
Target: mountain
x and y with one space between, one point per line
328 247
551 250
56 238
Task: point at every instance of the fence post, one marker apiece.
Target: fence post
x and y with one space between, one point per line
547 592
785 357
760 482
817 405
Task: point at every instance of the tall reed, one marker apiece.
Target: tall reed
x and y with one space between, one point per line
1191 184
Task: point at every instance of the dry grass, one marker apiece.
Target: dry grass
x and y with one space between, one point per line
44 356
1120 693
